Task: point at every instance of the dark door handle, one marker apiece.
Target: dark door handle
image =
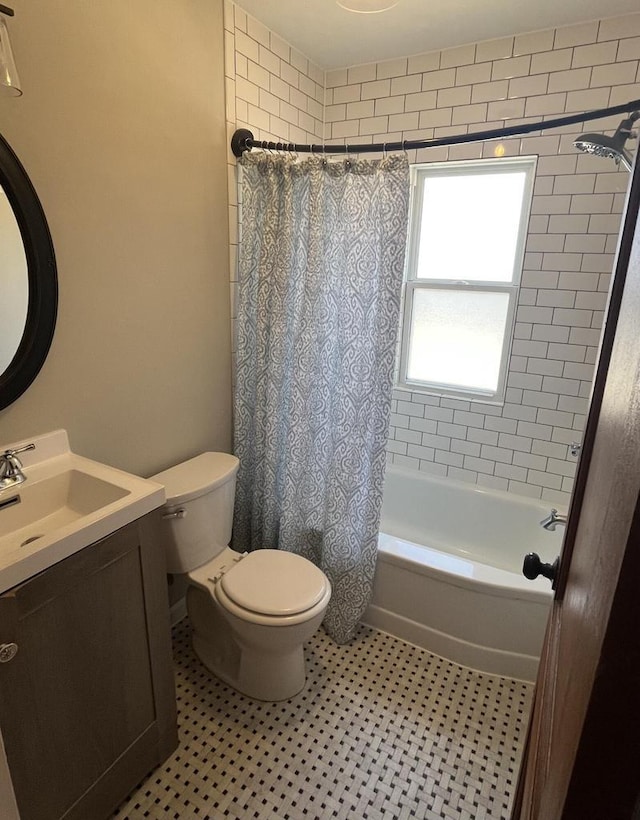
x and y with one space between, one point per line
533 566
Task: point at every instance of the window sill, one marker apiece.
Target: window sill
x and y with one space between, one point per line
471 398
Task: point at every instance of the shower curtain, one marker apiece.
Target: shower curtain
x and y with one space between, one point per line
320 274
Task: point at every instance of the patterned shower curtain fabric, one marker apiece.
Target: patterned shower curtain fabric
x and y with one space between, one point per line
320 276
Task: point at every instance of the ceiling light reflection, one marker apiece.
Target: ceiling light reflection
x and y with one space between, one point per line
367 6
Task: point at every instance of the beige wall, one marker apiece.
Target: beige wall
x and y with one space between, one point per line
121 129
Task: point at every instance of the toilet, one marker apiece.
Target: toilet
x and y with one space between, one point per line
251 613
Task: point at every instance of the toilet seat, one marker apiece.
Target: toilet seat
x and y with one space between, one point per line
266 574
276 621
274 583
305 589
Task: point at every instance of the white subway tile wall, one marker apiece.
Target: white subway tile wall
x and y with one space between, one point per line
275 92
522 446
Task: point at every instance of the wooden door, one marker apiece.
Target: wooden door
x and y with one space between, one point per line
582 757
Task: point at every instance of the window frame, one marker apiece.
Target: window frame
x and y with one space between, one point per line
419 173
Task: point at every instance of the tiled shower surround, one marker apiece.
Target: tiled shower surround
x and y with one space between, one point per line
272 89
522 445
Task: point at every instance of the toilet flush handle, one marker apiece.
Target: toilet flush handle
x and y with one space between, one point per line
179 513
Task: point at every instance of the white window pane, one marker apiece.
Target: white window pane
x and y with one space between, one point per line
469 228
457 338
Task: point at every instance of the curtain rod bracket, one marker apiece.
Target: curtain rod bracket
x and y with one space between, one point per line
241 141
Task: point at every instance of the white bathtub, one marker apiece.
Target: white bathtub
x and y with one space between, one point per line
449 575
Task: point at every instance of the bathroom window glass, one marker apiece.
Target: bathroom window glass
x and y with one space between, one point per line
466 247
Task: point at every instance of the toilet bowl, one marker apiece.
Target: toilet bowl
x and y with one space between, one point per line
251 613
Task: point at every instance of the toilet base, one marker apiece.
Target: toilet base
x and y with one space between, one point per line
260 677
234 651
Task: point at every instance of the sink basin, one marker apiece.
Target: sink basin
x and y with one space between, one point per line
66 503
33 510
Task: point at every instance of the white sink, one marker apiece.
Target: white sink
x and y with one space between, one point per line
33 510
66 503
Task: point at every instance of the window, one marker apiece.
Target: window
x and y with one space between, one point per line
466 245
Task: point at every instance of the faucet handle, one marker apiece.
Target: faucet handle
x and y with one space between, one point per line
11 466
9 453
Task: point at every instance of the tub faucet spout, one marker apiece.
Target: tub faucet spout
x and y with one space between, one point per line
552 521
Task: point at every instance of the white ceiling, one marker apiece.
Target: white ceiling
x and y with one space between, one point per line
334 38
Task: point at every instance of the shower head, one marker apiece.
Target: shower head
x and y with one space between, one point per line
610 147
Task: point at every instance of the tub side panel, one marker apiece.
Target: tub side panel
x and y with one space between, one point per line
491 625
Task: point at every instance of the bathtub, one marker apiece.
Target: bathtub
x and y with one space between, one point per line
449 574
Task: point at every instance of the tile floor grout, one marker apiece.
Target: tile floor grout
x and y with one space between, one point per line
383 730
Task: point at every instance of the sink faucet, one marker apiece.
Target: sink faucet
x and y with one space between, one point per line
552 521
11 467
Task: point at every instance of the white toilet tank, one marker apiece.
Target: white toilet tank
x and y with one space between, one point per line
198 513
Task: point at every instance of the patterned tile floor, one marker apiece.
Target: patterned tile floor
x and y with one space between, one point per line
382 731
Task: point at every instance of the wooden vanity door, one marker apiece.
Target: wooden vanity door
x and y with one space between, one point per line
78 704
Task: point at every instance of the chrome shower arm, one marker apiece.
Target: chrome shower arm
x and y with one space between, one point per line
626 159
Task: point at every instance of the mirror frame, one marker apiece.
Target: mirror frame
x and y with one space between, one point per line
42 275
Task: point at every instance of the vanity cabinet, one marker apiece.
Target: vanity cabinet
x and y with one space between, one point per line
87 704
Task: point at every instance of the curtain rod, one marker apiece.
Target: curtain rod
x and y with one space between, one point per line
243 139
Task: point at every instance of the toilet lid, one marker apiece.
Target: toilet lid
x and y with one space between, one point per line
274 582
198 476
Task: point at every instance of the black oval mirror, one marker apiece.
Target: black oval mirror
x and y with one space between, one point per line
29 297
